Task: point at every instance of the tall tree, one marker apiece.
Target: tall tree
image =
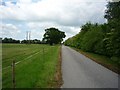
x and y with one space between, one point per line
113 11
53 36
113 36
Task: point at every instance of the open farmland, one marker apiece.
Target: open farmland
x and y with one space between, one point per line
35 65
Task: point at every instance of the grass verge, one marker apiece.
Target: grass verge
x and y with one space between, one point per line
103 60
58 81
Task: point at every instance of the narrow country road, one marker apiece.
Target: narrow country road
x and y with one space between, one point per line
81 72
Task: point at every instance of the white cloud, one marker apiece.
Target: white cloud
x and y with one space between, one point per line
66 12
9 30
25 1
66 15
35 34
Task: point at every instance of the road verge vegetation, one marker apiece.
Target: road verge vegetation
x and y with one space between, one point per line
101 59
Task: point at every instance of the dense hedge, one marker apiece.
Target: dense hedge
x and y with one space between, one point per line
100 38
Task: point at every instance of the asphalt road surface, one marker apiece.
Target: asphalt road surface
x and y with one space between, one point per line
81 72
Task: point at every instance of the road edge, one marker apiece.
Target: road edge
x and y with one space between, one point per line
58 74
93 59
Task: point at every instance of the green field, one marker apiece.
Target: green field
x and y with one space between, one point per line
35 65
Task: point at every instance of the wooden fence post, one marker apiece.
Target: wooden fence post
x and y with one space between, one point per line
43 54
13 74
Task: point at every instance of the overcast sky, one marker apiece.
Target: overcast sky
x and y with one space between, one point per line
19 16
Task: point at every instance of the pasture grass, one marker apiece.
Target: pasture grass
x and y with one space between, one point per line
37 67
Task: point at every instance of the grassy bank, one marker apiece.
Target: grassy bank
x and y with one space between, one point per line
36 66
103 60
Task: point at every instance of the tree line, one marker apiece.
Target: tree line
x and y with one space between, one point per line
11 40
102 39
52 36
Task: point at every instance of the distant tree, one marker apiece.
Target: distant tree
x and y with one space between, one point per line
35 41
24 41
53 36
10 40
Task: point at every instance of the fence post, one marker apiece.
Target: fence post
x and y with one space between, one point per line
13 74
43 54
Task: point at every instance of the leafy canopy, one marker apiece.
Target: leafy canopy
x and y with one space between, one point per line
53 36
